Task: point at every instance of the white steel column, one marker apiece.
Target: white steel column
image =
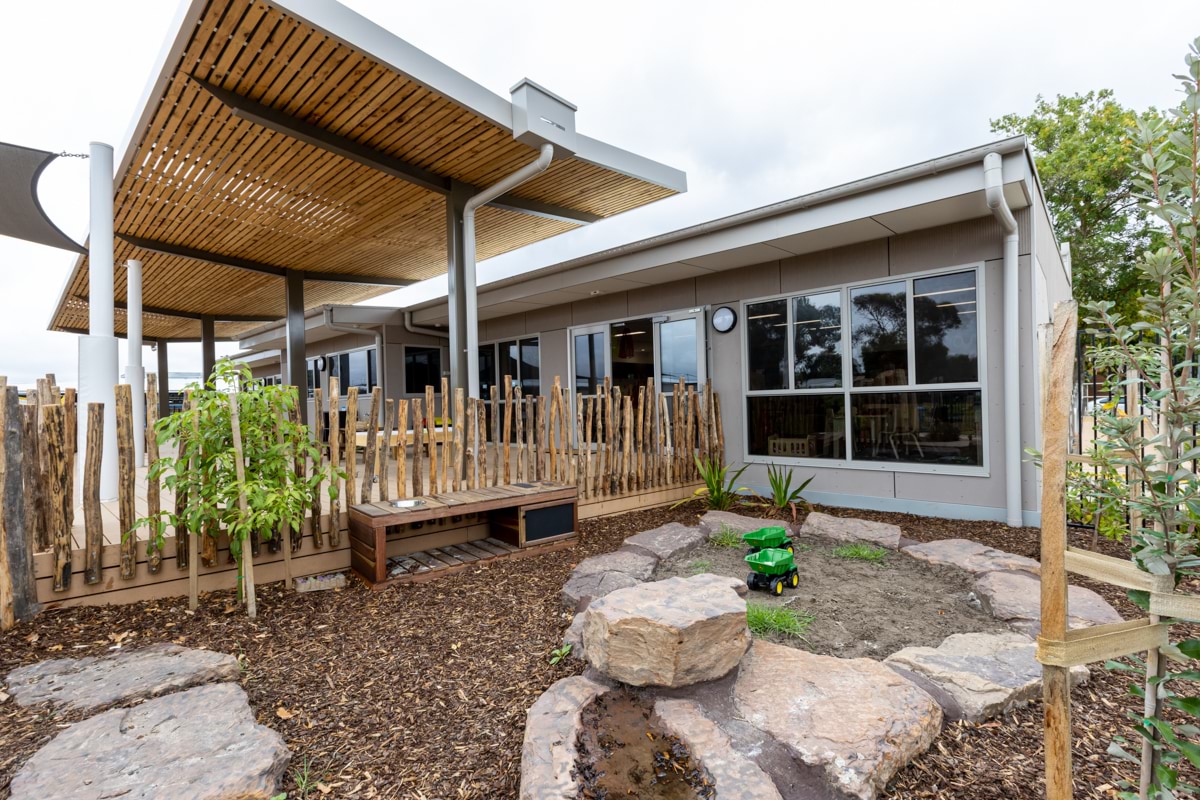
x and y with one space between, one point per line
98 351
135 373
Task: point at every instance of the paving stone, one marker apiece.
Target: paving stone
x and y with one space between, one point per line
580 590
713 521
670 540
851 529
199 744
673 633
734 776
856 718
1015 597
551 728
978 675
971 556
84 684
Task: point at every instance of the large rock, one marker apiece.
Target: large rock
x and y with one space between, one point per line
856 718
714 521
666 542
851 529
976 676
734 776
1015 597
667 633
597 576
551 727
89 683
971 556
200 744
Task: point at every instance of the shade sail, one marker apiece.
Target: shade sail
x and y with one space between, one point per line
21 215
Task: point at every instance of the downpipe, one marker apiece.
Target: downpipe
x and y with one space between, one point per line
993 181
381 361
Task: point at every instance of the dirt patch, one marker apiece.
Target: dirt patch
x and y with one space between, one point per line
859 608
622 753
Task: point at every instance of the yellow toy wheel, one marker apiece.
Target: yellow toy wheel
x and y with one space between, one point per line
777 587
795 579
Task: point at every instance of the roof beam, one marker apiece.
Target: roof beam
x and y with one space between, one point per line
281 122
172 312
234 262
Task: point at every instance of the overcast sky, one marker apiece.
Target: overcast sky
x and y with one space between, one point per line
756 101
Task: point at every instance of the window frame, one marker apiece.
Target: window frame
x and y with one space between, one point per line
847 390
437 387
321 377
519 378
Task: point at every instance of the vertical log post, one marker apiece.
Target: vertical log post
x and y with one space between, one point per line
56 475
495 465
93 520
1056 681
181 495
431 426
240 469
459 426
447 442
419 440
504 433
472 430
389 445
126 476
71 440
402 447
481 431
18 590
351 443
319 438
335 438
153 485
33 478
369 452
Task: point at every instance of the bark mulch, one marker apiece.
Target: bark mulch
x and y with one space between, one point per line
420 691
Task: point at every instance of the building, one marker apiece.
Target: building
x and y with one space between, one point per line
881 335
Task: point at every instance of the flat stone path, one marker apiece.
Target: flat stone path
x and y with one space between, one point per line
851 529
1016 598
973 557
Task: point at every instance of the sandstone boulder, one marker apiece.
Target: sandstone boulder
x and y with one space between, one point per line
548 753
1015 597
199 744
851 529
89 683
713 521
734 775
597 576
672 633
976 676
666 542
856 718
971 556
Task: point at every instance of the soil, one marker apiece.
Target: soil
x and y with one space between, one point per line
622 753
859 608
420 691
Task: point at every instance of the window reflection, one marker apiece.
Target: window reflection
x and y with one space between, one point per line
677 353
766 334
879 330
589 362
817 324
919 427
945 326
797 426
632 349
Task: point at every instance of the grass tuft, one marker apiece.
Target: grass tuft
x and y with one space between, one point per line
764 619
727 536
700 566
860 551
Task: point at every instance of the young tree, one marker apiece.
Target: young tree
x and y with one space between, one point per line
1085 158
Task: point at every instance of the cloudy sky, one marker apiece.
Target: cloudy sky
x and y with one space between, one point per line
756 101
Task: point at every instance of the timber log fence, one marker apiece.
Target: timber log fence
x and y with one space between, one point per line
621 450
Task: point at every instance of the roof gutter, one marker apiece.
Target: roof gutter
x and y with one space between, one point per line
380 361
538 166
993 180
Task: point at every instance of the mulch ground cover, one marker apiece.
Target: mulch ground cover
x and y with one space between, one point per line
420 691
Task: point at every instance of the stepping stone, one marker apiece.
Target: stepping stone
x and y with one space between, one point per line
667 633
597 576
971 556
976 676
200 744
855 718
86 684
713 521
852 529
551 728
734 775
670 540
1015 598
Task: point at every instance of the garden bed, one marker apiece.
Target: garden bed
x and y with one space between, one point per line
422 690
866 606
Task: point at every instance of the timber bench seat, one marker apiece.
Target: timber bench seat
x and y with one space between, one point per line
451 531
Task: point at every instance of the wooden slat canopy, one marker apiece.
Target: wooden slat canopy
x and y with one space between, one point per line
200 176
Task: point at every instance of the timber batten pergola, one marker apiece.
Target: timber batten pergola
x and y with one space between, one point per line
292 154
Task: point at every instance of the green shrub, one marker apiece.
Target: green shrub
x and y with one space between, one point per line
783 495
765 619
720 491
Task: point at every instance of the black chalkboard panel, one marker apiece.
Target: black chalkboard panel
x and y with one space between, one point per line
542 523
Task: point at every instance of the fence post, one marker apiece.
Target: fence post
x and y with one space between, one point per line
18 590
93 521
126 472
56 474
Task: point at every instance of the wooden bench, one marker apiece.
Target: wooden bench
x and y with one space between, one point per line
486 524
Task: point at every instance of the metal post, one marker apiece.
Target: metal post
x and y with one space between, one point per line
208 347
457 289
98 351
164 381
296 348
135 373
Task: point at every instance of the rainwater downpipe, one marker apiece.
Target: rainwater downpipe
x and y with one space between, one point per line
380 361
993 182
473 203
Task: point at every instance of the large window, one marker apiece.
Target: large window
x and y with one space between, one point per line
357 368
519 359
904 388
661 350
422 367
